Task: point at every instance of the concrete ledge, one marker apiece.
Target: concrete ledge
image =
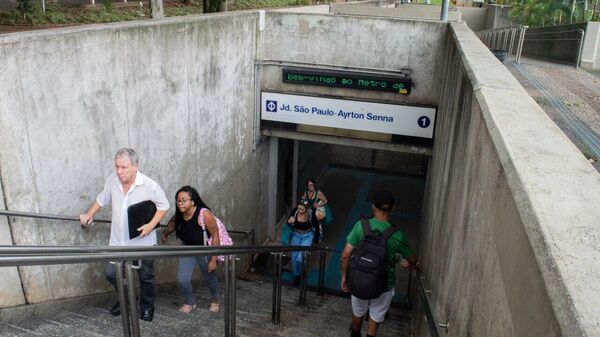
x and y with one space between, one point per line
556 190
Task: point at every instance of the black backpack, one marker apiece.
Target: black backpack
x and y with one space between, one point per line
367 270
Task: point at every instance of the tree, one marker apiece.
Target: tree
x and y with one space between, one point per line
25 7
536 13
212 6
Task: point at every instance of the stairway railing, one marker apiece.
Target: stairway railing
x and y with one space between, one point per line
432 324
250 233
123 258
507 39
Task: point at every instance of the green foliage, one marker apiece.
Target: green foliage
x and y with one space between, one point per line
56 14
538 13
25 7
108 5
251 4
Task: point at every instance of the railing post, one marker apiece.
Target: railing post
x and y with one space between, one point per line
122 298
252 240
232 293
513 32
322 260
274 295
133 313
303 278
276 304
582 32
227 297
521 39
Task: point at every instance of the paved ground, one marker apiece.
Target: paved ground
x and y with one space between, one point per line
577 90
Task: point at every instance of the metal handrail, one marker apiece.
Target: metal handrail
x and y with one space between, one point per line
250 233
506 39
44 255
47 255
45 216
429 318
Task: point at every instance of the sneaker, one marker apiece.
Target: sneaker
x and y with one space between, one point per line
116 309
354 333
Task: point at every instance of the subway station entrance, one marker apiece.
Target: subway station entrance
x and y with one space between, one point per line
352 144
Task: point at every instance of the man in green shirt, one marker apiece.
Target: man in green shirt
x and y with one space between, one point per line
382 206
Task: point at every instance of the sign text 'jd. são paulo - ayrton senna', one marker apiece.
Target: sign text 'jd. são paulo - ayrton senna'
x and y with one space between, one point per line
394 119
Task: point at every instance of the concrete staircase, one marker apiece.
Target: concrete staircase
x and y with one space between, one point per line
325 316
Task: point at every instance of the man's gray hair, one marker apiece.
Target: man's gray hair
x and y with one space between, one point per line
129 153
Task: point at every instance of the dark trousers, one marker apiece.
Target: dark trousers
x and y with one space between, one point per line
146 276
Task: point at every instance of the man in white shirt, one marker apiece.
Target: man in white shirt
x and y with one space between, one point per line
126 187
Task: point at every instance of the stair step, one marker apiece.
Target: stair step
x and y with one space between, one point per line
327 316
11 330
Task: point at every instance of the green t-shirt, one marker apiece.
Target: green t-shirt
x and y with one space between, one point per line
395 244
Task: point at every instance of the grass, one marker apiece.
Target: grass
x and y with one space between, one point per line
251 4
57 14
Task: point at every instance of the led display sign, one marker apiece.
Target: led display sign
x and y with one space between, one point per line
350 80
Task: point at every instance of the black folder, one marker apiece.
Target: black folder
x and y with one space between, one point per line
138 215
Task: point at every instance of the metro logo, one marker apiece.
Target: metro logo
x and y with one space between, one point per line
271 106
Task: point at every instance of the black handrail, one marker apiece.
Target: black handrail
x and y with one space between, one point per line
122 256
73 218
48 255
45 216
431 322
45 255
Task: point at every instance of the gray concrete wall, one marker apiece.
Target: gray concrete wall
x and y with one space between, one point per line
366 3
497 17
509 238
324 40
11 292
474 17
556 43
590 55
176 90
422 12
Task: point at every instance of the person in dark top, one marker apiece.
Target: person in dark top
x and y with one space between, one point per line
316 199
191 216
304 225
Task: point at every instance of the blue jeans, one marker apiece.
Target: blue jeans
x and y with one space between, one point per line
184 278
146 276
299 239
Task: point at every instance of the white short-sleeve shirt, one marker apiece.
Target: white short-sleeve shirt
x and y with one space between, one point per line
142 189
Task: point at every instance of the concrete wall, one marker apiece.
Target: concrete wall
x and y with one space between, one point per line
474 17
509 238
590 55
497 17
422 12
324 40
176 90
313 40
11 292
367 3
556 43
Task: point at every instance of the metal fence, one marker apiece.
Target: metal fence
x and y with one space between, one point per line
507 39
559 43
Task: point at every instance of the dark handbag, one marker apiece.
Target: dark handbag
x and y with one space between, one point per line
138 215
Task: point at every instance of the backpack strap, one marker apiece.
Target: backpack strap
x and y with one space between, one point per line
389 232
203 226
366 226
